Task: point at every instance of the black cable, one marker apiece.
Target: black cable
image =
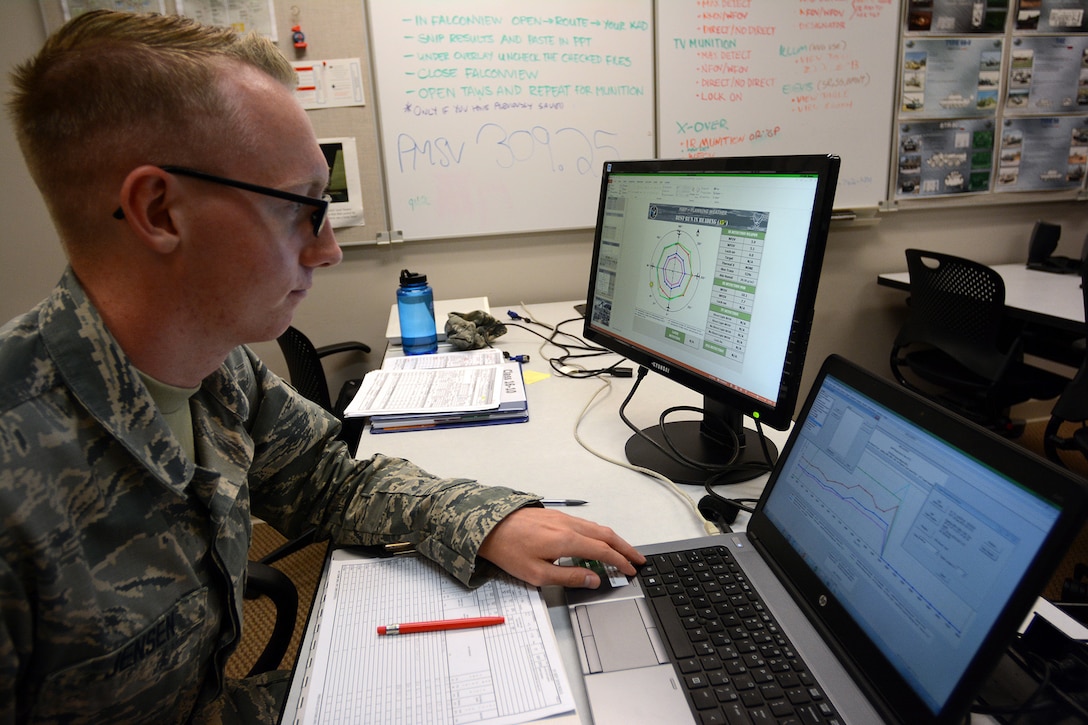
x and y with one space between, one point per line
1050 667
1043 672
673 453
574 352
738 503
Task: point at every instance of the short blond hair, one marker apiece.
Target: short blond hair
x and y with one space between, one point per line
110 91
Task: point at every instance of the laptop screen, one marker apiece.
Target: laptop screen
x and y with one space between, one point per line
920 542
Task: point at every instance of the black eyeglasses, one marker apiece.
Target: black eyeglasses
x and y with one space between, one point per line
319 217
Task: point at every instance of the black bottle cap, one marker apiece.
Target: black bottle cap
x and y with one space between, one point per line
412 279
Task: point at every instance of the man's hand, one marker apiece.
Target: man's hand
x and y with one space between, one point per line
528 542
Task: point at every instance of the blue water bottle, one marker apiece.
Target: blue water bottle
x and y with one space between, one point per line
415 307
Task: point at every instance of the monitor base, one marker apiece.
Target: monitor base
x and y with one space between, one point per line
687 436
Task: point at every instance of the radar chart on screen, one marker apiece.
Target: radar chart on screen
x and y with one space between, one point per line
674 269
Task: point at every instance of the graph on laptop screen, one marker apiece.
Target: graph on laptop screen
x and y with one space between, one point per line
920 542
706 271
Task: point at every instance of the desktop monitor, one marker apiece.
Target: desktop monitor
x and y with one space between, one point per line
705 271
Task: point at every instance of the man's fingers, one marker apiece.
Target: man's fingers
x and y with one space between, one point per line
577 577
529 541
601 542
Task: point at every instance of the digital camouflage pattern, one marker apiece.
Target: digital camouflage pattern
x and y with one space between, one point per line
122 562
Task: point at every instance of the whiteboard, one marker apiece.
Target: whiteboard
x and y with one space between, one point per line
782 77
496 117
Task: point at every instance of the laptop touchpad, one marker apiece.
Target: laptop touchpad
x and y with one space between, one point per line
650 694
619 634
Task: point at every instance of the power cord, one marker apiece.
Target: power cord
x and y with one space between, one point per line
673 452
606 387
573 347
1059 667
569 366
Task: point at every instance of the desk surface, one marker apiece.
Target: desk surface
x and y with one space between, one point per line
542 456
1041 297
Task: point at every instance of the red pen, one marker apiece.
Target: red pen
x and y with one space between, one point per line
439 625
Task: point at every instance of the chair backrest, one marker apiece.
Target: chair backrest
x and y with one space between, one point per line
1044 240
1072 404
304 367
958 305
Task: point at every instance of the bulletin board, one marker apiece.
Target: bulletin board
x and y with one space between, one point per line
993 102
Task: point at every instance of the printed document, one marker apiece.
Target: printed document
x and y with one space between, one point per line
439 383
501 674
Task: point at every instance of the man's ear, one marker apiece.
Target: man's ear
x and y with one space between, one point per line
147 196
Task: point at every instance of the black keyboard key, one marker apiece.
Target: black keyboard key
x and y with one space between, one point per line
736 714
725 694
704 700
743 683
771 691
697 682
781 708
717 678
713 717
809 715
675 634
710 663
688 665
787 680
761 716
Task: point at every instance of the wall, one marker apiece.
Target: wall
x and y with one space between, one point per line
854 316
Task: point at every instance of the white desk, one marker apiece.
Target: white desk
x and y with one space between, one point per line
542 456
1042 298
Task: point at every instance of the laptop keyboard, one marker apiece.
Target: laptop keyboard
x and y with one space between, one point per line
735 664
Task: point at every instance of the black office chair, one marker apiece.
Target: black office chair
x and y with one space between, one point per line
262 579
1065 346
957 348
1067 429
308 378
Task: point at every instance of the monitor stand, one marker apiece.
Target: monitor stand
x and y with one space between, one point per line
707 441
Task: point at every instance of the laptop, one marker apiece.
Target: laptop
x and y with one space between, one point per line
893 554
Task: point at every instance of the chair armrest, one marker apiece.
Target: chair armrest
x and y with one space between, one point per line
300 542
339 347
262 579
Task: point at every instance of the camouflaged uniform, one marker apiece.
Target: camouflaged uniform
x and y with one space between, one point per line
122 562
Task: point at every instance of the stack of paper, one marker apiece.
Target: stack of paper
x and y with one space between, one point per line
442 390
509 673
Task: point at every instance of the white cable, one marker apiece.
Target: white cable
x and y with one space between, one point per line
606 385
544 341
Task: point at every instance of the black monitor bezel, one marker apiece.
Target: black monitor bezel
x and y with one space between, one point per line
779 414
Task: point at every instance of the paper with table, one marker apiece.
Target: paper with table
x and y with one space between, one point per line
475 387
502 674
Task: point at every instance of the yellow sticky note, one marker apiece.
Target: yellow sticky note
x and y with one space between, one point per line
531 376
